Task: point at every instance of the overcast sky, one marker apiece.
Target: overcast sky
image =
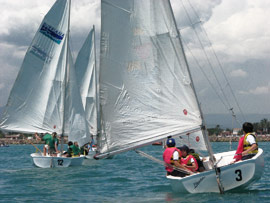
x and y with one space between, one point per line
239 32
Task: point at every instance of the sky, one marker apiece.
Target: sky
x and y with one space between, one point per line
239 34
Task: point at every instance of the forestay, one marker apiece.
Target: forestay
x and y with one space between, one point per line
146 91
85 67
41 93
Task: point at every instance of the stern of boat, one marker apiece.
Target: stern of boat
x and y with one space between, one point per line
49 162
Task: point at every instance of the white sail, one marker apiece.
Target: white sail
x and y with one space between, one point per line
36 102
76 126
85 67
146 92
192 140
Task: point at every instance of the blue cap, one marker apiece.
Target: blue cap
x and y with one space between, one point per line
170 142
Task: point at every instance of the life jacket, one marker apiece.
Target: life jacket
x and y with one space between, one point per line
187 161
70 151
247 145
197 157
240 149
168 157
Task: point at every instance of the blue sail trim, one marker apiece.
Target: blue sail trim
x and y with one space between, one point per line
52 33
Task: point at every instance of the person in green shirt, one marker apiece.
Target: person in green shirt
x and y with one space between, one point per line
76 149
53 144
47 138
69 152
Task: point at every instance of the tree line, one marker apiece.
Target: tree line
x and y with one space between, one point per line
262 127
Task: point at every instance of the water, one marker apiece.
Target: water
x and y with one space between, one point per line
127 177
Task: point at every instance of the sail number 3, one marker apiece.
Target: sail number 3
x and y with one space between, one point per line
239 175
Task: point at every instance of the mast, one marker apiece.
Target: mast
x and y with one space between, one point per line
65 77
204 130
96 82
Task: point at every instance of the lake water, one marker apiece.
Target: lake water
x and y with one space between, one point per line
127 177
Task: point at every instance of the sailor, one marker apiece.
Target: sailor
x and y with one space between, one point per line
84 149
91 144
53 144
69 152
187 160
247 145
76 149
47 138
172 156
199 160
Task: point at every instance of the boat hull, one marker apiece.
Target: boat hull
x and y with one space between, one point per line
55 162
235 176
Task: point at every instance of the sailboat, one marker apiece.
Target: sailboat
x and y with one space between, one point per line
86 72
147 93
45 96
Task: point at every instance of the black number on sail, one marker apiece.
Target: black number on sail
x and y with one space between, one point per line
239 173
60 162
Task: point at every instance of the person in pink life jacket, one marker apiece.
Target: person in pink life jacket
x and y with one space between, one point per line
187 160
172 156
247 145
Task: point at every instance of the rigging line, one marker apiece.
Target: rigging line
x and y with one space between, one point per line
207 57
234 116
232 92
237 103
115 6
211 84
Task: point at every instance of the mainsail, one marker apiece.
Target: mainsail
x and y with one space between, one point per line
146 92
45 96
86 72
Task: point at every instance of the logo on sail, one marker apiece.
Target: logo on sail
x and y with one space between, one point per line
40 53
52 33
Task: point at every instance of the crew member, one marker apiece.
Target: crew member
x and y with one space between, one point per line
187 160
172 156
247 145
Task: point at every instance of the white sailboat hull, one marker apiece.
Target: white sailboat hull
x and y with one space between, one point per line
55 162
77 161
233 176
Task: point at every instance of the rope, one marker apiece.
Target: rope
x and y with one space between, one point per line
211 67
35 147
162 162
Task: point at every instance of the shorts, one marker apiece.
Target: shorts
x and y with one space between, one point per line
46 146
52 151
249 156
176 173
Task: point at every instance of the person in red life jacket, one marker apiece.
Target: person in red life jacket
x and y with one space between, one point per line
172 156
247 145
187 160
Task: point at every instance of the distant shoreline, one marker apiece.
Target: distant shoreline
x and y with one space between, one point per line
236 139
211 138
21 141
